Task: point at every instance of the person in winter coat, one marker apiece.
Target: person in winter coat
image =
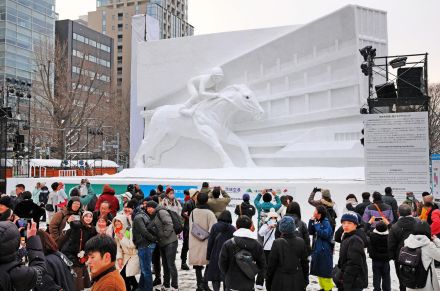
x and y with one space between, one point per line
58 223
245 208
145 242
389 199
378 250
426 207
399 232
285 200
360 208
217 204
85 193
108 194
430 246
266 206
162 226
301 229
52 202
267 232
412 202
101 251
379 210
235 278
58 275
288 266
104 212
435 225
36 192
77 236
170 202
127 260
327 202
104 227
220 233
350 203
21 277
322 247
188 207
205 219
28 209
352 260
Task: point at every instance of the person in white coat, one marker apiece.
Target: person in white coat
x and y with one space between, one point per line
127 258
430 246
267 231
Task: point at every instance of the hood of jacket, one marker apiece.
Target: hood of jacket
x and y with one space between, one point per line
327 203
244 232
417 241
122 219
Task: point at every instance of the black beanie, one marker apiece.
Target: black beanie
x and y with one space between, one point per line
9 241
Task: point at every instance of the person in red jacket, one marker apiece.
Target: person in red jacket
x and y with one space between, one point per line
108 194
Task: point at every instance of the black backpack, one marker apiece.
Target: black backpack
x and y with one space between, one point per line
245 261
177 220
5 279
412 273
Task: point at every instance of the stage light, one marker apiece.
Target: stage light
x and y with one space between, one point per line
365 51
398 62
365 68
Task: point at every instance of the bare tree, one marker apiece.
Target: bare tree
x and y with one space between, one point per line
69 92
434 118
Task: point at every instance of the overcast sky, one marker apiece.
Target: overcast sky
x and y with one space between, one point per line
413 26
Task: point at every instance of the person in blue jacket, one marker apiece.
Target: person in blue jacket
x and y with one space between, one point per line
265 207
322 248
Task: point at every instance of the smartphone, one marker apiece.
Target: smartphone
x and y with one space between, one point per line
268 190
378 219
22 222
76 217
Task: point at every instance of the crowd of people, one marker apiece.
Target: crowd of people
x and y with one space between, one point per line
53 240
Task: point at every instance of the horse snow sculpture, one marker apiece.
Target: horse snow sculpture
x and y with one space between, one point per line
209 124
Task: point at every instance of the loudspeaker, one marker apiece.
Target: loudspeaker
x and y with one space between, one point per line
409 82
387 90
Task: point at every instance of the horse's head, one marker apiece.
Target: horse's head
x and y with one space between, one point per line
243 98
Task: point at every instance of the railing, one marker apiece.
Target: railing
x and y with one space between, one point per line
67 173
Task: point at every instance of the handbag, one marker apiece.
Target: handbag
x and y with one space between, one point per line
197 231
49 207
337 276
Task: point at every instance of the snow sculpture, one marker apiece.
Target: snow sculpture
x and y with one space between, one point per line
208 123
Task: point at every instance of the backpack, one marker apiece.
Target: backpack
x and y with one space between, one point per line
5 279
412 273
332 216
245 261
177 221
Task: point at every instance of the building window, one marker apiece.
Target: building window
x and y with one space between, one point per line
119 71
120 16
119 81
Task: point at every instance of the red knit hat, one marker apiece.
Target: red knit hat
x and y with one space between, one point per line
169 190
107 189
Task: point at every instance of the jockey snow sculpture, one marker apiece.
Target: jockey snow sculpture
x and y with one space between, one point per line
207 120
200 88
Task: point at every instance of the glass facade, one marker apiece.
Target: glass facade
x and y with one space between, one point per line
171 26
23 24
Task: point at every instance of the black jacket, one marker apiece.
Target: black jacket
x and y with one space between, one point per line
72 245
360 208
246 209
398 233
234 277
352 261
142 237
288 267
300 231
219 234
378 247
58 275
391 201
22 277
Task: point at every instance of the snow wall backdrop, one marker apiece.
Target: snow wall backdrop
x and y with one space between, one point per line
307 78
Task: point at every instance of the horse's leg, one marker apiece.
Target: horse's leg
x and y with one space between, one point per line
232 139
154 147
139 157
210 137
